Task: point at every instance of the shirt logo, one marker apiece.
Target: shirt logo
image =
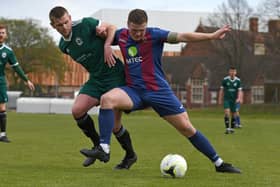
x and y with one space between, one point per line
79 41
132 52
4 54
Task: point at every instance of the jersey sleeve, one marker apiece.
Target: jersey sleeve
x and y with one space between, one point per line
12 60
92 23
116 37
160 34
223 83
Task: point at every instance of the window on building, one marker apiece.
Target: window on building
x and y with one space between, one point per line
259 49
257 94
183 97
214 97
197 91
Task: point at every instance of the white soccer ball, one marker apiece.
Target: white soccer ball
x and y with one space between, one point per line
173 165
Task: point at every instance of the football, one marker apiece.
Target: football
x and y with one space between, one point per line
173 165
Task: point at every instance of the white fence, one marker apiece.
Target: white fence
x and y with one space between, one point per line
47 105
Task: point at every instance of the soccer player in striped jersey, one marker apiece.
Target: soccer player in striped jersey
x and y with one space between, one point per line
7 55
80 41
146 86
231 91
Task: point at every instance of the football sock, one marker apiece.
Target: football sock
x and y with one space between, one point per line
86 124
3 121
123 138
226 122
201 143
106 124
105 147
237 119
232 124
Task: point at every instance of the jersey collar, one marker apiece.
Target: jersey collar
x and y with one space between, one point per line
69 38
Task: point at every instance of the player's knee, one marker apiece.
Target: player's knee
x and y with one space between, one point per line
107 101
77 112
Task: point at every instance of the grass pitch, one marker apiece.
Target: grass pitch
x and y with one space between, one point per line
44 151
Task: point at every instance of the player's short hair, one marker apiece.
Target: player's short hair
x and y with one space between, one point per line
57 12
232 67
137 16
3 26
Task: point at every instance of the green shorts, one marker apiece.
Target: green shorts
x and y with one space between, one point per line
96 87
231 105
3 94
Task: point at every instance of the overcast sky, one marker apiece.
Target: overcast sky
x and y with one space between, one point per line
39 9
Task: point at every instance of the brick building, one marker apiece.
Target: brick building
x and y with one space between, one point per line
197 74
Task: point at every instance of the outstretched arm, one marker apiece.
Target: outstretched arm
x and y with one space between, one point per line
23 77
107 31
198 36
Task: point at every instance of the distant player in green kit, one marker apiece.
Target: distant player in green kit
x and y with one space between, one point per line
7 56
80 41
231 91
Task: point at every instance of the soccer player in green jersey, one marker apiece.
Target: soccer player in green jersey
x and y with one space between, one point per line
7 56
231 91
81 42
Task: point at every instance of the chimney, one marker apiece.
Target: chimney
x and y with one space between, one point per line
274 26
253 24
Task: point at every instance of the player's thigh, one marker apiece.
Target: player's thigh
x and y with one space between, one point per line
116 98
83 103
233 107
182 123
2 107
164 103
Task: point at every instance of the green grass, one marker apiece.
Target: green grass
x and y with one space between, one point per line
45 151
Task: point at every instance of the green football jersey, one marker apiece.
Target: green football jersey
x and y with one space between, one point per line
231 87
6 56
86 48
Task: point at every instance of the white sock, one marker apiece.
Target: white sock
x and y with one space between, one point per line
3 134
218 162
105 147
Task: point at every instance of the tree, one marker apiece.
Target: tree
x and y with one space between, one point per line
268 9
236 14
35 50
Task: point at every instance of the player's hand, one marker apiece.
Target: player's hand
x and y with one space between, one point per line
109 56
30 85
221 33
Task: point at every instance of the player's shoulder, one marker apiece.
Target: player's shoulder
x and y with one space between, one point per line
7 48
226 77
77 22
237 78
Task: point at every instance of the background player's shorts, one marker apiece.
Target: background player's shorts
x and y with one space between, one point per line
230 104
163 102
3 94
237 106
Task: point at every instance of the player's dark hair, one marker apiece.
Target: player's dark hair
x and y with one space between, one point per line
3 26
57 12
232 67
137 16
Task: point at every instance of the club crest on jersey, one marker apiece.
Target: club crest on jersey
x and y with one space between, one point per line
133 58
79 41
4 54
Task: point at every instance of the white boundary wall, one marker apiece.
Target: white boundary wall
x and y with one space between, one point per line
47 105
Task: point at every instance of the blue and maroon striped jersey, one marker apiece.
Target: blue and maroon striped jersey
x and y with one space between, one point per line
143 59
